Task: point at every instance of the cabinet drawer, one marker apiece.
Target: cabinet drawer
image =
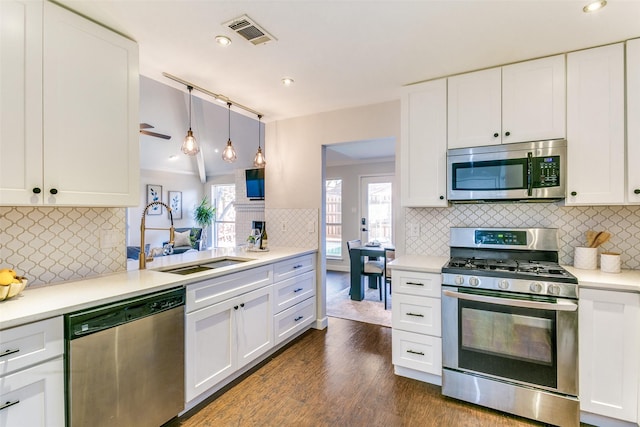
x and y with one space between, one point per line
34 397
212 291
293 267
291 291
292 320
416 351
26 345
417 314
416 283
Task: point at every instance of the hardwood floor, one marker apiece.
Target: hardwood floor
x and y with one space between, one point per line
341 376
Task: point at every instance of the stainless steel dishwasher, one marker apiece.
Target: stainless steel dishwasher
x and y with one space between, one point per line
125 362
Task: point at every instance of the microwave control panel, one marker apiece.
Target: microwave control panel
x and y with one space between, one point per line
545 171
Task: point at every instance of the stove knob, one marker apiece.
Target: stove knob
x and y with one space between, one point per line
536 287
474 281
503 284
553 289
459 280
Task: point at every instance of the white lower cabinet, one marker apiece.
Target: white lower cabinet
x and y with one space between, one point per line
417 325
609 355
224 337
32 375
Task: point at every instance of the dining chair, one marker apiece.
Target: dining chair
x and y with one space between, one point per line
389 255
369 268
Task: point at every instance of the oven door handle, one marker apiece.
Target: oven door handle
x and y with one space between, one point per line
556 306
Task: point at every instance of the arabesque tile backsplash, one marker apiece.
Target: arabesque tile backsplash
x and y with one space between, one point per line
623 222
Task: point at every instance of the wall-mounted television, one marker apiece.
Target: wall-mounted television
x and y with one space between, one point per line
255 183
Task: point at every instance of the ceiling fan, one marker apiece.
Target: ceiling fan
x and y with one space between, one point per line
144 126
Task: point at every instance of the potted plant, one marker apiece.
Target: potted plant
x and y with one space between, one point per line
203 214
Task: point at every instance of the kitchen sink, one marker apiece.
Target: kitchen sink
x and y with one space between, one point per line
211 265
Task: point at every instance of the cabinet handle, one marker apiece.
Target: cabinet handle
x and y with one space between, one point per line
297 290
9 351
415 314
36 190
573 193
415 283
297 266
53 191
636 191
507 133
415 352
298 318
495 135
242 305
235 307
441 197
8 404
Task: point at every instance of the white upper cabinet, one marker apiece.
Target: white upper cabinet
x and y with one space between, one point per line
595 126
74 141
633 121
423 147
515 103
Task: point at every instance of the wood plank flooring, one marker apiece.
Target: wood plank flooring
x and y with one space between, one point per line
341 376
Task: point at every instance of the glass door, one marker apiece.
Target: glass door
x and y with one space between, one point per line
376 208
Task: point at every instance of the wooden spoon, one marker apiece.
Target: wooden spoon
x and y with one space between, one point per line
591 238
602 237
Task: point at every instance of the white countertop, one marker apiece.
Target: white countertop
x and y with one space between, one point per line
42 302
625 281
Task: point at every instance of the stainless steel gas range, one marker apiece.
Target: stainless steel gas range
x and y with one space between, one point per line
510 324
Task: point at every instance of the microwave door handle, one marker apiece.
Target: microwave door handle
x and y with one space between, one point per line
557 306
529 172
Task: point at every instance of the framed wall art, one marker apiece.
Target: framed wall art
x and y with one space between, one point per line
175 203
154 194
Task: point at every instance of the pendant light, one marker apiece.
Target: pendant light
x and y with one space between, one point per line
229 154
190 145
259 161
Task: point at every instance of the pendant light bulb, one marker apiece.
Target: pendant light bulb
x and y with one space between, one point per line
229 154
190 145
259 161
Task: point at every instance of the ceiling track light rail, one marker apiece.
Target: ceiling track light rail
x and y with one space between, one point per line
216 96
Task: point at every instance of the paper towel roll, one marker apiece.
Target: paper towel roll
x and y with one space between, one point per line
585 258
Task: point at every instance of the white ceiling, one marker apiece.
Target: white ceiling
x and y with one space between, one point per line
346 53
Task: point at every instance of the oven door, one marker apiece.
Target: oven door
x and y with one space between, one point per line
523 339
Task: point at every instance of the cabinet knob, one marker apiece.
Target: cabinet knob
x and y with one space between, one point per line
573 193
242 305
235 307
495 135
36 190
441 197
636 191
53 191
507 133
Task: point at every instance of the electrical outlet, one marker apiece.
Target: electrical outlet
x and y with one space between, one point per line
414 230
311 227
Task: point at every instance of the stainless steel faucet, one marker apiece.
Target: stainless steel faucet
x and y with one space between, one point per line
143 257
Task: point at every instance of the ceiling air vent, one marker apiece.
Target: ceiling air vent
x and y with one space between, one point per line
248 29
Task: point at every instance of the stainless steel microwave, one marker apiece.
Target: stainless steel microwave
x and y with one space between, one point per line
526 171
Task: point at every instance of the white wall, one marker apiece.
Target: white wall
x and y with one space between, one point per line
192 192
350 176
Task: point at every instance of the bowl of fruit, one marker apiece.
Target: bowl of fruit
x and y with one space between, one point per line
10 284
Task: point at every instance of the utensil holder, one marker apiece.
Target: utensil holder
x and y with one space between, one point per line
585 258
610 262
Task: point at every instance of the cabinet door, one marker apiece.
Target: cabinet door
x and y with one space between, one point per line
90 112
609 353
474 109
33 397
423 146
633 121
533 100
417 314
20 101
417 351
254 315
210 348
595 126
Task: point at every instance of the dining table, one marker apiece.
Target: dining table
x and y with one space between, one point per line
357 255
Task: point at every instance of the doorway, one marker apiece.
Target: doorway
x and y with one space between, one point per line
376 208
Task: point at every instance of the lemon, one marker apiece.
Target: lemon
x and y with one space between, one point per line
6 278
5 270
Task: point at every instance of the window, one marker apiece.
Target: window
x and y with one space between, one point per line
224 225
334 218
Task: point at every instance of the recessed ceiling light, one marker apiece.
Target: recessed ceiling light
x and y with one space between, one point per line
223 40
593 6
287 81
